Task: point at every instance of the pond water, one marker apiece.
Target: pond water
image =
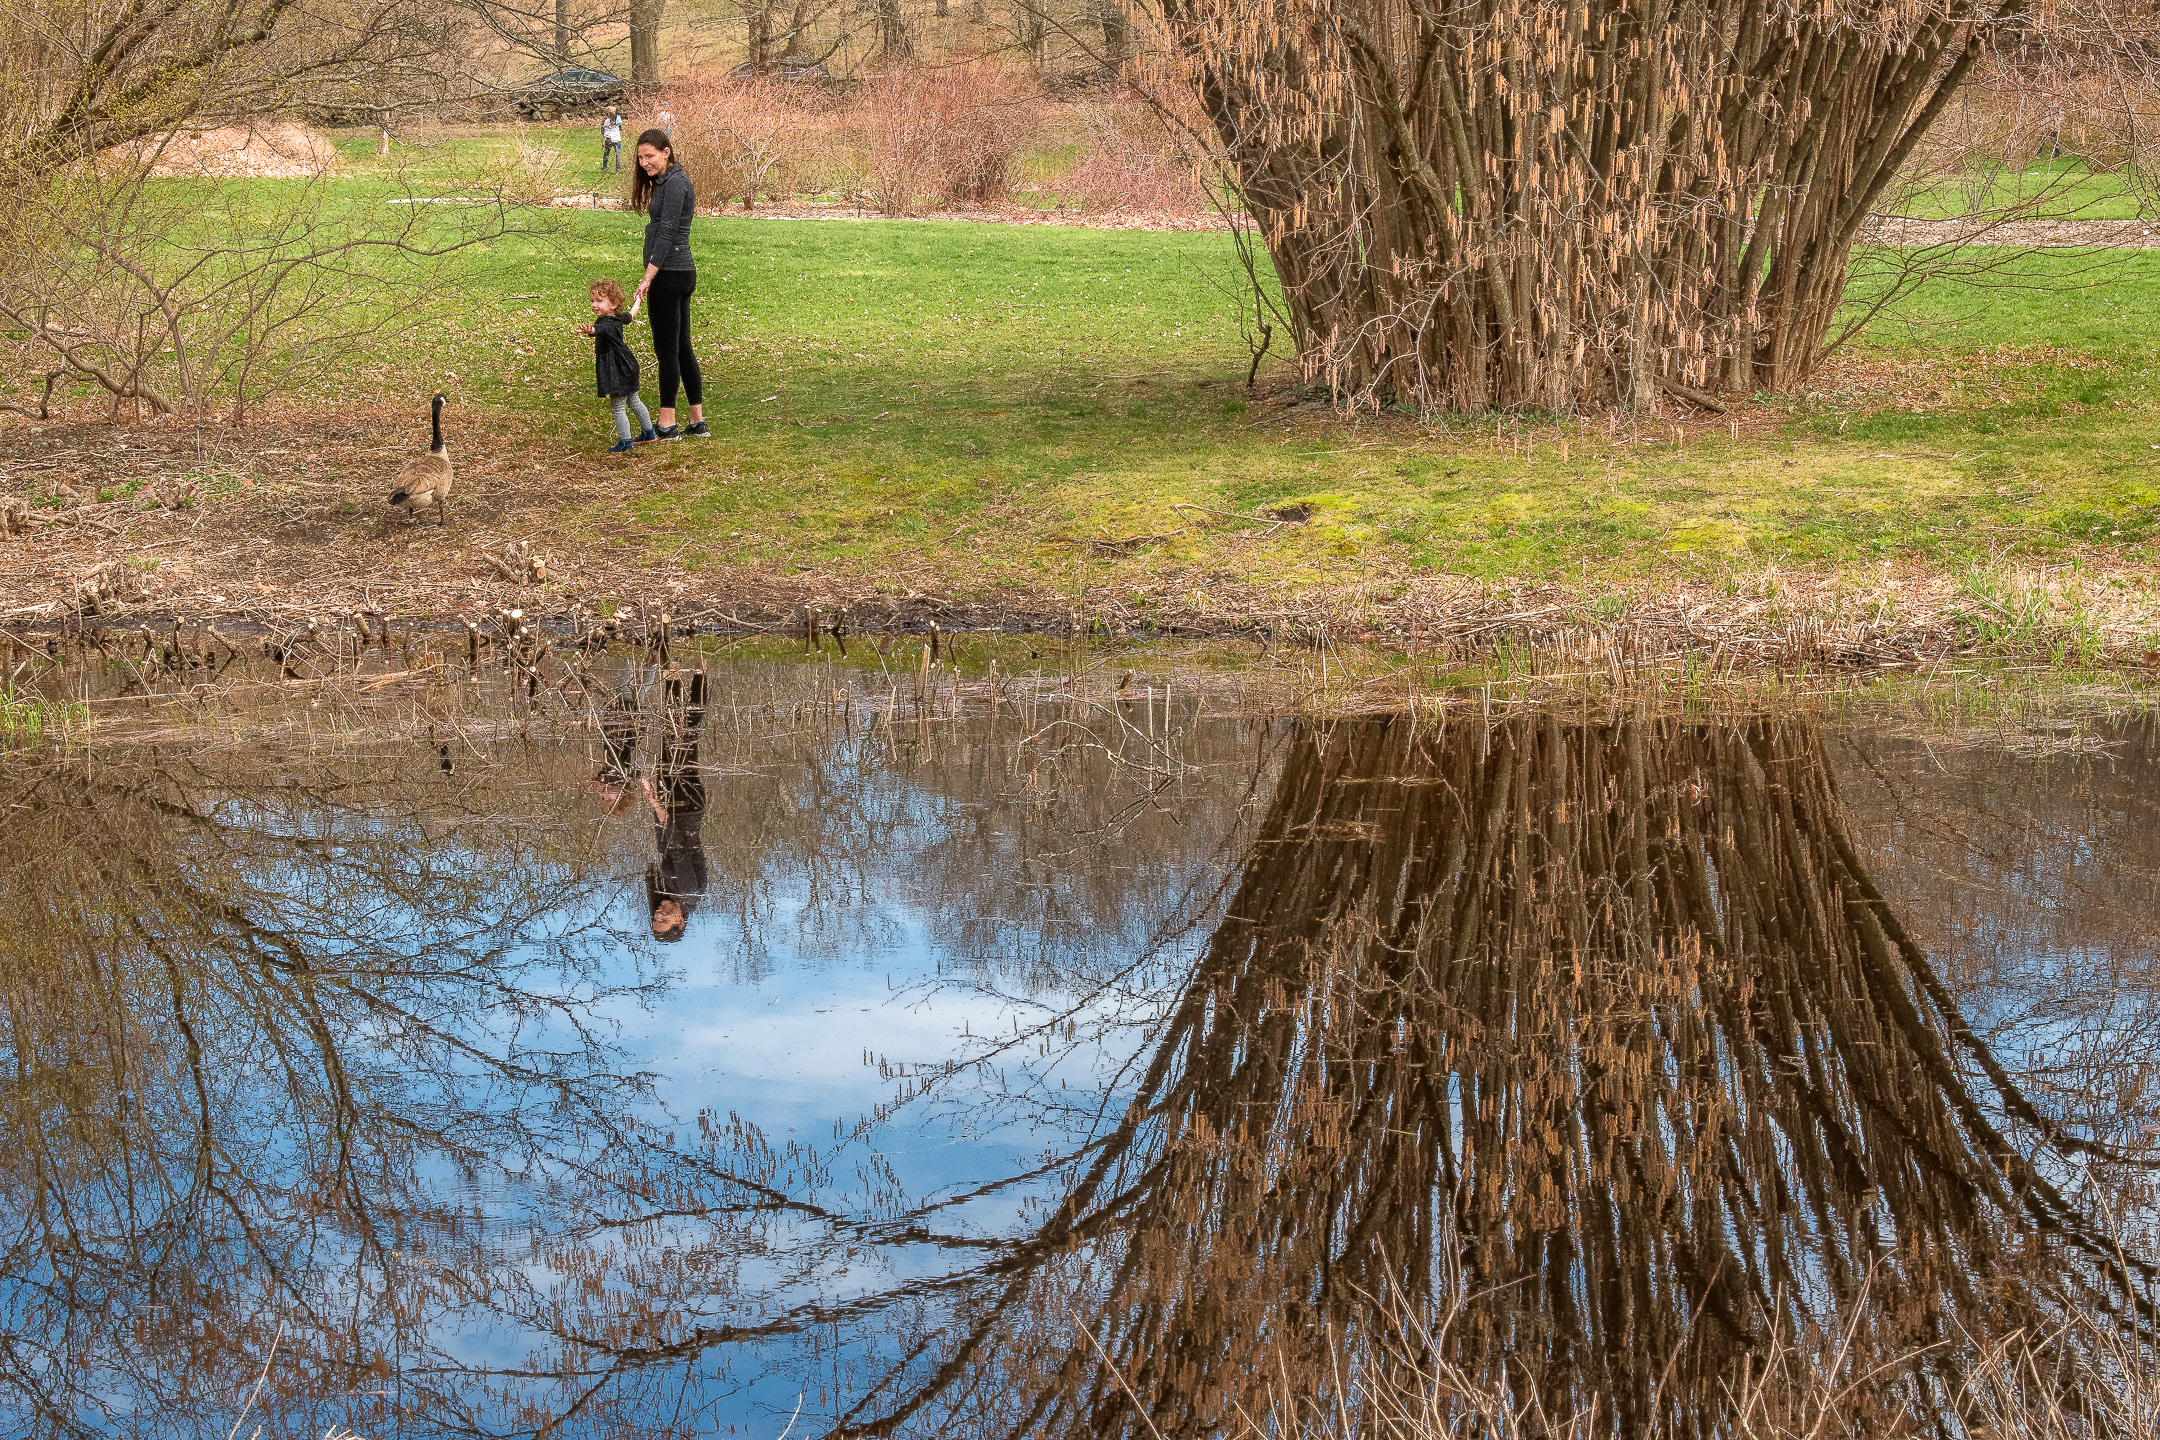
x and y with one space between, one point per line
773 1053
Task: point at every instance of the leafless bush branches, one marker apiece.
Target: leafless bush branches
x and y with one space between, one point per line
204 302
760 137
950 131
1491 206
85 78
1133 159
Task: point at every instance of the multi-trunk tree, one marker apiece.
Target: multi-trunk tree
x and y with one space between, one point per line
1575 1070
1478 204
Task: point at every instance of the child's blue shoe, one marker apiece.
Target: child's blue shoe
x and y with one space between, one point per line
649 435
620 447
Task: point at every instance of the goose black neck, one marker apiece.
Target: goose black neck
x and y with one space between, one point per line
436 410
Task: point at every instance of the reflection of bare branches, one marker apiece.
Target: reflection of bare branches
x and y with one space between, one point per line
232 1053
1589 1043
1601 1026
2030 886
335 995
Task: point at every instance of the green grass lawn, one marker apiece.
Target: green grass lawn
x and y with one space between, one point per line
963 401
2065 186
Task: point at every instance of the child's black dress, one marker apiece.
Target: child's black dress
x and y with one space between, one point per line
614 366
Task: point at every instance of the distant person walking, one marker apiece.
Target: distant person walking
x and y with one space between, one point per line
611 141
663 194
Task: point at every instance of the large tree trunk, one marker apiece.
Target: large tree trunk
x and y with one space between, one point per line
757 16
1494 205
893 42
1030 30
645 41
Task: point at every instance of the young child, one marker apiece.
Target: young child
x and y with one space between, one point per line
614 366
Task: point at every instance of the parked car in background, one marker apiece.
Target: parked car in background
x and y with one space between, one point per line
566 91
784 70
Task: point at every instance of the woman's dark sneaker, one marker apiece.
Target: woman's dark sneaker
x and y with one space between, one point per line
698 428
667 432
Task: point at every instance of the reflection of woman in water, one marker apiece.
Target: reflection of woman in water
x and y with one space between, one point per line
675 883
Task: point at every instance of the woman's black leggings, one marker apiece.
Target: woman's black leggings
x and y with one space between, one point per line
670 300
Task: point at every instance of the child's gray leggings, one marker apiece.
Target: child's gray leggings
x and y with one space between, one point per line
623 405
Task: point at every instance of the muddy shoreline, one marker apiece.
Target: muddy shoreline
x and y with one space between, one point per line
265 532
1552 635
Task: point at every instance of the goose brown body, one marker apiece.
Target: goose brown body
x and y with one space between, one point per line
425 479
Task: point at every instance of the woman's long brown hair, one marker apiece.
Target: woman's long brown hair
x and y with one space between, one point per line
641 183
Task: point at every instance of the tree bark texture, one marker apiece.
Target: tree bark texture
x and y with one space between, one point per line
1031 32
1116 33
645 41
893 41
1483 205
757 22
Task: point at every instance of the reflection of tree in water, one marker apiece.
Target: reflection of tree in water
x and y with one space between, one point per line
1601 1026
238 1002
283 1030
1598 1032
1017 833
2031 885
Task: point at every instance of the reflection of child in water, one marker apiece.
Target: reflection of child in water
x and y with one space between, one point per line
676 882
622 726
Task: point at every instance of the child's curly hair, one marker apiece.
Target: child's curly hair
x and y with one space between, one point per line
611 292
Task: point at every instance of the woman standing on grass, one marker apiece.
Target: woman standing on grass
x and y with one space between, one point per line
662 193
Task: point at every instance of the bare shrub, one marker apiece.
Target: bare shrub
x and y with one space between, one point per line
740 140
951 132
89 79
1131 159
901 158
187 301
1486 210
528 173
2011 116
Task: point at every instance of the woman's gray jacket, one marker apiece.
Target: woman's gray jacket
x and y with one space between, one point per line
668 211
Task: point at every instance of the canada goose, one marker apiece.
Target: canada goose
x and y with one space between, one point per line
426 478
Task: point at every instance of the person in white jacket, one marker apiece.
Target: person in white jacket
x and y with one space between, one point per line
611 141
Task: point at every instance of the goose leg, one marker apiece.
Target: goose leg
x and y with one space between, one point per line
442 509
